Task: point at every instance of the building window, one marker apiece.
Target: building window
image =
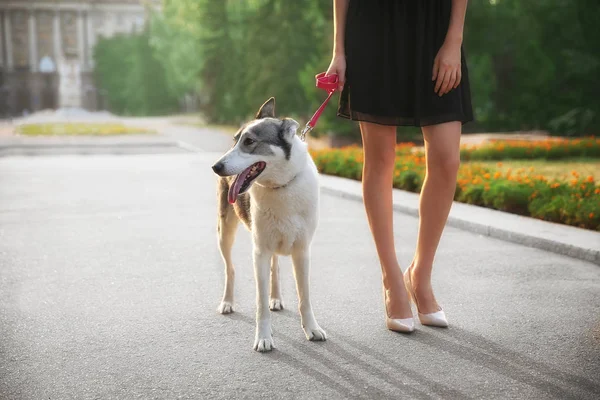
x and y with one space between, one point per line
68 22
45 34
20 39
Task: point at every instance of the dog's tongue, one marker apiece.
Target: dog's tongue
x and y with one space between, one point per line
235 188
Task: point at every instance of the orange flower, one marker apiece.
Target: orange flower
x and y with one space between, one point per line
486 176
555 185
590 179
575 174
497 175
591 215
597 191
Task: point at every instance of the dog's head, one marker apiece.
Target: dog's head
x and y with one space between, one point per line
262 149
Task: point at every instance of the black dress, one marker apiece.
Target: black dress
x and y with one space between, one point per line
390 49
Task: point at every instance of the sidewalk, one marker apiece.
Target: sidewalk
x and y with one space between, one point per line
561 239
110 277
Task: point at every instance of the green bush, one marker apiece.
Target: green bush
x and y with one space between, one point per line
133 79
473 194
509 196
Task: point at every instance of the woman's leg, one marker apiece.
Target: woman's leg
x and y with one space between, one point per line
379 146
442 152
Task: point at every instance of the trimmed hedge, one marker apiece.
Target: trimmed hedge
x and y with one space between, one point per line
575 203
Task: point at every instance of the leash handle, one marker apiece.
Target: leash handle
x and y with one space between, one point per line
328 83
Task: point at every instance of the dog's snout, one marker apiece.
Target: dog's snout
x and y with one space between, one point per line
218 167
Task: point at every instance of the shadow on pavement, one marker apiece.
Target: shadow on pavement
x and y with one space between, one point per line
516 359
456 341
357 382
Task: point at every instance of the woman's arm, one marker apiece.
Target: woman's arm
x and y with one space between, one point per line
447 64
338 61
340 8
457 21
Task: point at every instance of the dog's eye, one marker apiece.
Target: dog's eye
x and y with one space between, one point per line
248 142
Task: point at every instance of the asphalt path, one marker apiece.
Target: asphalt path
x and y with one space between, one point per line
110 277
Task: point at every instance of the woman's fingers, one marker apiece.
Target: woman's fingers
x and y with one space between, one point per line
337 67
458 78
447 80
440 80
450 85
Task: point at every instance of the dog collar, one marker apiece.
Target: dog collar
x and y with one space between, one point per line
278 187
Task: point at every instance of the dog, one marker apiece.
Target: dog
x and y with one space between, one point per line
268 181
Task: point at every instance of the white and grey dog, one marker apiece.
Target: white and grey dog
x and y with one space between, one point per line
269 181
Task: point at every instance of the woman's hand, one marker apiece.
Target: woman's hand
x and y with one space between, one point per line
338 66
446 68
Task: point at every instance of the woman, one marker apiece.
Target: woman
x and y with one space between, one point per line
400 63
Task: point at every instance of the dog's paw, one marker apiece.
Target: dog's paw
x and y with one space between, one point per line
315 333
225 307
263 344
275 305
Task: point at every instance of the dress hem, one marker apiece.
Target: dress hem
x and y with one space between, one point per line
463 119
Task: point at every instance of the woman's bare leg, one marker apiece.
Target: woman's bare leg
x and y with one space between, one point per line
379 158
442 152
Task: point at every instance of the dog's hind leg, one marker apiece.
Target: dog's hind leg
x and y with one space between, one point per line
263 340
301 261
227 227
275 301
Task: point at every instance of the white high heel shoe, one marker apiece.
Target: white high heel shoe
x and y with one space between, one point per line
403 325
437 318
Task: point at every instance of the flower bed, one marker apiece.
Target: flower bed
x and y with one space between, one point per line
79 129
575 202
552 149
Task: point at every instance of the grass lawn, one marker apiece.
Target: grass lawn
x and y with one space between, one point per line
83 129
560 169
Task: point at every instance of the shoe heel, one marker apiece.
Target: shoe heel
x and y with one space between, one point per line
402 325
437 319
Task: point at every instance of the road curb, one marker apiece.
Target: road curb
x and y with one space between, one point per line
560 239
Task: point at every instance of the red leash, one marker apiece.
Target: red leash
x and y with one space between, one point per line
328 83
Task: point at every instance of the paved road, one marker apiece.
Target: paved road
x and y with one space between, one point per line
110 278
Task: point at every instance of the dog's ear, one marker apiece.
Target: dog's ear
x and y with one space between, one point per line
289 127
267 110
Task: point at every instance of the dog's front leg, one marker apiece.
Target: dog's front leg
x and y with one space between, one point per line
263 340
301 261
275 302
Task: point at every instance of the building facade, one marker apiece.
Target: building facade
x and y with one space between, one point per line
46 50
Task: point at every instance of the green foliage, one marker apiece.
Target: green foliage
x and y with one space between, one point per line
532 64
174 37
134 80
409 180
508 196
473 194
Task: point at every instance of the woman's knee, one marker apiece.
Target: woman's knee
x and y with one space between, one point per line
445 164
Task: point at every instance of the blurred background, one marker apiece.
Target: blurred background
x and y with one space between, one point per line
534 68
534 65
